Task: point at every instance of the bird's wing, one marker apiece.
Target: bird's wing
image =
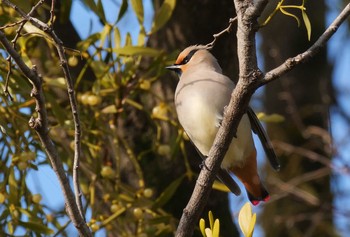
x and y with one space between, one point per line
225 177
264 139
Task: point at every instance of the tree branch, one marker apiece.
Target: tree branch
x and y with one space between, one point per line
250 78
40 124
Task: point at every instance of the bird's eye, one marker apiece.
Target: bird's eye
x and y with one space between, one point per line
188 57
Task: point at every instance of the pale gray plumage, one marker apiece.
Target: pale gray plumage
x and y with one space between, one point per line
201 96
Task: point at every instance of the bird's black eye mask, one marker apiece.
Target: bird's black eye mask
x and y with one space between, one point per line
188 57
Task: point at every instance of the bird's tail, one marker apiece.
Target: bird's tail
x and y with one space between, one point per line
249 177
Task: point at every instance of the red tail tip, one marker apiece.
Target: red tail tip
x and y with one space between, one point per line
267 198
255 202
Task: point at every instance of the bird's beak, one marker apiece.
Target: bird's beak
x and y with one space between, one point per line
173 67
176 68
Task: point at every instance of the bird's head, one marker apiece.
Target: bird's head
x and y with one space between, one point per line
194 56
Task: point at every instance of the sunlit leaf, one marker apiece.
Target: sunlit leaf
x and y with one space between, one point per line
163 15
137 5
114 216
216 228
104 33
137 50
202 226
307 24
247 220
85 44
117 38
291 15
37 227
141 40
208 232
270 118
110 109
220 187
128 39
211 219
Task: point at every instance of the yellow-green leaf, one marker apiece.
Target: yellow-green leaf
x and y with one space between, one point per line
220 187
247 220
117 38
113 216
104 33
291 15
270 118
216 228
141 40
137 50
211 219
307 24
202 226
163 15
36 227
137 5
110 109
128 39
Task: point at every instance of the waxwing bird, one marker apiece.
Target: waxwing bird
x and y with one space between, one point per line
200 99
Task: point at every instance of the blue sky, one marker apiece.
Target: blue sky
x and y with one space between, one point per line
46 182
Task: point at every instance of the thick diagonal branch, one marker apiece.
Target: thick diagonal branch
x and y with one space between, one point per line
250 78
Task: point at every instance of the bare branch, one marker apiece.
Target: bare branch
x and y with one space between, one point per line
217 35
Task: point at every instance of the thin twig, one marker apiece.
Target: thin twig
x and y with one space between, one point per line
217 35
52 13
9 71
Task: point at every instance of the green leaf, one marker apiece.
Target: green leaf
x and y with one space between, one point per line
307 24
122 9
36 227
137 5
137 50
163 15
168 192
